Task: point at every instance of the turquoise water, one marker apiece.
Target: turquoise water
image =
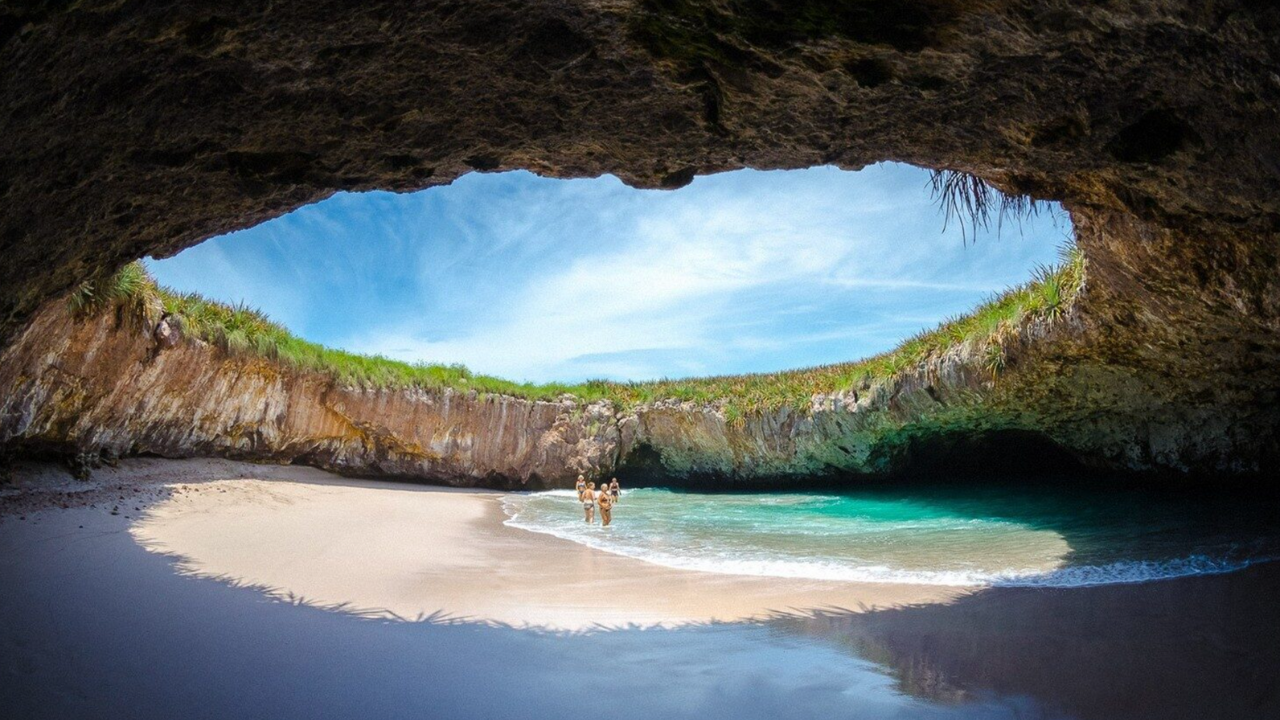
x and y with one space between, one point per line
982 537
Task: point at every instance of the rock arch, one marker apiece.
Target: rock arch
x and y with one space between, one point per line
132 129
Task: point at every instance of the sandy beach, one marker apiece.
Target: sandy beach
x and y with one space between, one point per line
200 589
397 550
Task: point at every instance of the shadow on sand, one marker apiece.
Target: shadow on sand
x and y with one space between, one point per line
1195 647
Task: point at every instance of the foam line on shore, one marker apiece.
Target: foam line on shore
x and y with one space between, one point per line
1063 576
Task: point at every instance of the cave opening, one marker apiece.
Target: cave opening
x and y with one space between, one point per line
517 361
679 337
545 281
995 457
212 127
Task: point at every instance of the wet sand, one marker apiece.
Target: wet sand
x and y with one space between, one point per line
94 625
383 549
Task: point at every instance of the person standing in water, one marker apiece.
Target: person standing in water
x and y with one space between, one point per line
614 490
605 499
589 502
581 487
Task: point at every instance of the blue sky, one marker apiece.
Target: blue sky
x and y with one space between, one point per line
539 279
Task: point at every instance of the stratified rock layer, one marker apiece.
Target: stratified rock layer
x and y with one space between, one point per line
108 386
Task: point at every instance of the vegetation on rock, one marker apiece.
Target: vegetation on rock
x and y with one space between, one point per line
242 330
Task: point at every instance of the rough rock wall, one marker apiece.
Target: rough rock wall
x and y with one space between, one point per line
133 128
112 385
107 386
1078 384
1167 362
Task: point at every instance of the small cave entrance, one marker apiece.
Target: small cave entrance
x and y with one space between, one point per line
996 455
643 468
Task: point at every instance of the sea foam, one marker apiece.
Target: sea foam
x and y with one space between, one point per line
555 513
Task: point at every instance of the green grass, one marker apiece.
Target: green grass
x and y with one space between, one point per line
972 202
130 285
1047 295
245 331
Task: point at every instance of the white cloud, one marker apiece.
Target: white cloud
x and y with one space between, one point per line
538 279
663 289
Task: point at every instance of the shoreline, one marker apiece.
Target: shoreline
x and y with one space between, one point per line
401 551
96 625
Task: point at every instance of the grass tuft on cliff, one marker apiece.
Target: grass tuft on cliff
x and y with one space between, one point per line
973 203
1046 296
241 330
131 285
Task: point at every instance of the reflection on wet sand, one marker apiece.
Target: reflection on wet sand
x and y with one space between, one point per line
94 625
1196 648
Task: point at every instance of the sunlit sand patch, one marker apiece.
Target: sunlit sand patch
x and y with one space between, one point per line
406 552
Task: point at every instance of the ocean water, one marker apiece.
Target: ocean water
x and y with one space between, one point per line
997 536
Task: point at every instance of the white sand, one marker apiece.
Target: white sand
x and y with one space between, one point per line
408 551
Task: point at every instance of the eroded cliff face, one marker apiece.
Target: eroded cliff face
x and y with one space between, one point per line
1113 387
119 383
1167 362
107 386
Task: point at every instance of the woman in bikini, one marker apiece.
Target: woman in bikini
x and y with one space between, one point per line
581 487
614 490
606 505
589 502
